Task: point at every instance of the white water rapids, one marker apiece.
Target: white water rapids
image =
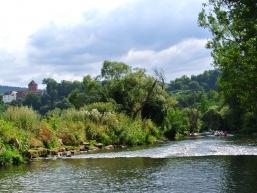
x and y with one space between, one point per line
186 148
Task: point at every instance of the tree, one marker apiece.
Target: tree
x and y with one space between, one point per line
114 70
212 120
193 118
175 123
233 24
32 100
1 104
51 91
136 90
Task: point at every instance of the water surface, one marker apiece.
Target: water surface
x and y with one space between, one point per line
203 165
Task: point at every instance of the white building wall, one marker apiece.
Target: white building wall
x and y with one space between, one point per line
9 98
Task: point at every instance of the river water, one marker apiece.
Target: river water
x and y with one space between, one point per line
200 165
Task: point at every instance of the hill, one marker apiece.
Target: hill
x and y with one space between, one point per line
4 89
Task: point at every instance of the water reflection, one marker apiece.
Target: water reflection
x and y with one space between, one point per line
241 174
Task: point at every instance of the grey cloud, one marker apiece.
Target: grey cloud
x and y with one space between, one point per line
144 33
187 57
143 24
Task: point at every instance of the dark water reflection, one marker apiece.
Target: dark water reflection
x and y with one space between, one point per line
183 174
198 174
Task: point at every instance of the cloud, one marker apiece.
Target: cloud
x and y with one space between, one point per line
145 33
185 58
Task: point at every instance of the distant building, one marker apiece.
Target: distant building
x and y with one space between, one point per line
32 86
9 97
20 95
32 89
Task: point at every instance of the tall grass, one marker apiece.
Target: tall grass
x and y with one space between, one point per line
23 117
22 129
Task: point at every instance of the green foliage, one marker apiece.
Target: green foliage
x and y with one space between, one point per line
193 119
22 117
233 27
134 91
12 142
1 105
33 101
114 70
128 107
13 136
175 123
101 107
10 157
107 127
56 95
202 82
212 120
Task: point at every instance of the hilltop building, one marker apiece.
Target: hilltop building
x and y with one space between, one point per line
20 95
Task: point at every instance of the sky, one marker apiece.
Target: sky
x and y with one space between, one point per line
68 39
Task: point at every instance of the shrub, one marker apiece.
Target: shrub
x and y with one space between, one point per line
13 136
175 123
73 115
69 139
47 136
132 133
10 156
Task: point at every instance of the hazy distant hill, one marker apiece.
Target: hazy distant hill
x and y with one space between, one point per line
4 89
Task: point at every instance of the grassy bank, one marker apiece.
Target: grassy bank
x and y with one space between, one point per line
24 133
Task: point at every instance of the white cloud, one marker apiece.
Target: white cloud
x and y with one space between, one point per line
187 57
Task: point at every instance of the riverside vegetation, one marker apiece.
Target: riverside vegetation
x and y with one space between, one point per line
120 107
125 106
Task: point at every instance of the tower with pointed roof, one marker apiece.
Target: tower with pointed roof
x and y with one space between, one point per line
32 86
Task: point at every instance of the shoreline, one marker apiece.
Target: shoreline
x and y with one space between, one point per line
68 151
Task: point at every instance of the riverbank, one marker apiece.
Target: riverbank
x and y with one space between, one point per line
70 151
25 135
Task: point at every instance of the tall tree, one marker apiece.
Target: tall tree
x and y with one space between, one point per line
233 24
114 70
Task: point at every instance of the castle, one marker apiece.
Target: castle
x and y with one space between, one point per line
20 95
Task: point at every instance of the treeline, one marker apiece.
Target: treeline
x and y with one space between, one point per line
121 106
198 99
203 82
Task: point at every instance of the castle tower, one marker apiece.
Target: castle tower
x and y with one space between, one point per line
32 86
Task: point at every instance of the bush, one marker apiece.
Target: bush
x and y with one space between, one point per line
133 133
13 136
175 123
47 136
10 156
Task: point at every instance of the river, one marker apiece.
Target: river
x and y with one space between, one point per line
198 165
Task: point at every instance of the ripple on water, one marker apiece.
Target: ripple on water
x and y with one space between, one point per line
184 172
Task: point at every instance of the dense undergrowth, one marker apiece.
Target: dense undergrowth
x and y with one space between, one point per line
22 128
